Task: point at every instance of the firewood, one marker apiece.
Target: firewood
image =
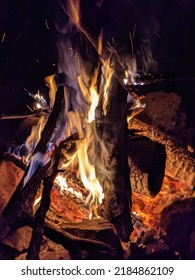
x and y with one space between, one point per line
76 244
23 197
147 163
179 164
37 235
112 167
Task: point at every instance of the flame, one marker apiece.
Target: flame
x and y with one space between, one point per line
85 171
107 73
61 181
35 136
51 83
74 11
81 98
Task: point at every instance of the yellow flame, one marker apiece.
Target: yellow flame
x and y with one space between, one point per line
108 72
60 180
94 102
79 161
90 94
51 83
93 96
86 171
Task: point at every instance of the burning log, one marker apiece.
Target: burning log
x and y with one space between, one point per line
18 206
147 162
112 166
35 244
179 164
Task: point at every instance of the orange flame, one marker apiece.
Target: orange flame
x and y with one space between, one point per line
74 10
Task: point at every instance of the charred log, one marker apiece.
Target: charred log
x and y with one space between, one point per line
37 235
112 166
18 206
180 164
105 245
147 162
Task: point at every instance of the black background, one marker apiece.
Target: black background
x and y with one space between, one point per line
28 52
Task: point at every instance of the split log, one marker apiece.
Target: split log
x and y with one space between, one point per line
23 197
147 163
112 161
179 164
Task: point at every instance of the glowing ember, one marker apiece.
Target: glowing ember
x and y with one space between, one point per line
148 210
61 181
67 208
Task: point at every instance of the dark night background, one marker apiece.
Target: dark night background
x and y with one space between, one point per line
28 50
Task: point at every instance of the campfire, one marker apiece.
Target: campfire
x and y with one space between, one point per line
96 177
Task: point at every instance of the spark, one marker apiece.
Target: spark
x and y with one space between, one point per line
131 40
46 24
38 106
37 60
158 35
134 31
3 38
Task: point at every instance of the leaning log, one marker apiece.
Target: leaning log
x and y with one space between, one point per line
179 164
112 161
23 196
